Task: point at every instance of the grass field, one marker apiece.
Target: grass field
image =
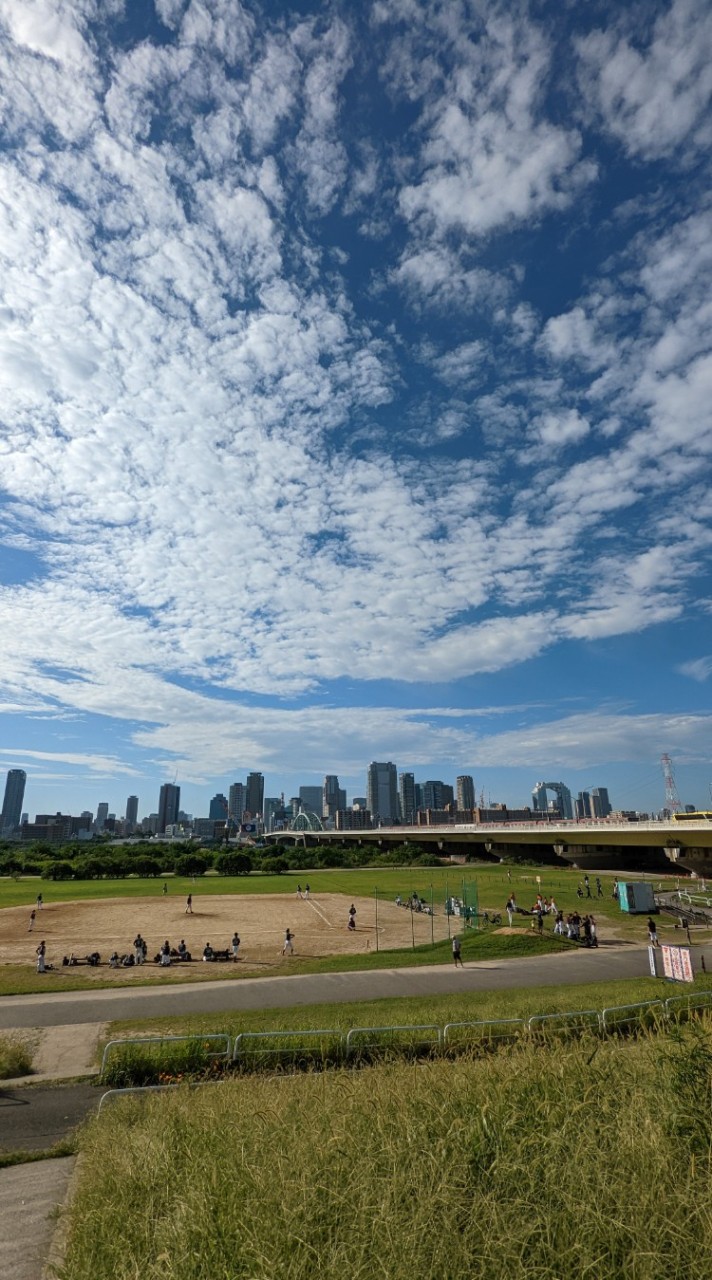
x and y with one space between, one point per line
588 1159
229 898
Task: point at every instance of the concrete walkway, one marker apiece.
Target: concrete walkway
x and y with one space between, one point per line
29 1196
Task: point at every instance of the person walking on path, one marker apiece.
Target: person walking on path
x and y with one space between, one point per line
41 951
457 952
288 948
31 925
653 932
189 905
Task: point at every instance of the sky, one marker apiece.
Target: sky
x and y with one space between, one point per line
355 396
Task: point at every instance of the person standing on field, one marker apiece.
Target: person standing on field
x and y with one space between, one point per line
41 950
189 905
31 925
288 948
457 952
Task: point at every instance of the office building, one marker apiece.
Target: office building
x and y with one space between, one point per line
382 792
218 808
255 794
14 796
236 801
274 814
168 806
406 798
102 814
311 799
601 804
465 792
333 797
132 811
436 795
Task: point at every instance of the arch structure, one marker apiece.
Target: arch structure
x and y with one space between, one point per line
563 798
307 822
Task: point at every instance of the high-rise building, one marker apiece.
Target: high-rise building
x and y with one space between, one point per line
465 792
168 806
102 814
12 803
582 806
333 797
273 814
236 801
132 811
255 794
382 790
406 798
311 799
436 795
601 804
218 807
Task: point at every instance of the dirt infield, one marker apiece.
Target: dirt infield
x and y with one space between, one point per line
319 925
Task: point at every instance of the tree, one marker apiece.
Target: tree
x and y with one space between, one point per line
233 863
275 866
57 871
191 864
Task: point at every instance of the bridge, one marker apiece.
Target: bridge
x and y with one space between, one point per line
602 845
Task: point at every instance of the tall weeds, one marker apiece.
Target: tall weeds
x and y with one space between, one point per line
573 1160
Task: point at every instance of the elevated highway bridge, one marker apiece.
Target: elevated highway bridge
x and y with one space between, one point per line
614 846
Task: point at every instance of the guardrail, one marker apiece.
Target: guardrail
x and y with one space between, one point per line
156 1040
243 1052
417 1042
334 1046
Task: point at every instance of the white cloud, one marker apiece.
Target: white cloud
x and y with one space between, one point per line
654 100
699 669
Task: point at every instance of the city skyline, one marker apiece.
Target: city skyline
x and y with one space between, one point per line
389 791
356 371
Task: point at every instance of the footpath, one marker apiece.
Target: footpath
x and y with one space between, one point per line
38 1111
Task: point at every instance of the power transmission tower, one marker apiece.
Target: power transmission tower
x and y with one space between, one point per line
672 799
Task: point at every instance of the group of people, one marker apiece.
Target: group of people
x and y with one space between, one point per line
303 893
584 890
573 926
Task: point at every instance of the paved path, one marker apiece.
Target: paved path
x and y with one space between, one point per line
606 963
29 1194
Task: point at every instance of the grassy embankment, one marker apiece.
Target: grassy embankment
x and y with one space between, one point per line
586 1159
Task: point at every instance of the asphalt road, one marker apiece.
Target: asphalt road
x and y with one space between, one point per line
34 1119
605 963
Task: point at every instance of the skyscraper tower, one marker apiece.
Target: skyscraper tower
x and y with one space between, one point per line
465 792
333 797
168 806
132 811
406 796
14 795
255 794
382 791
236 801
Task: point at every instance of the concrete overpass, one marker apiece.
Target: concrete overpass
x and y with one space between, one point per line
604 845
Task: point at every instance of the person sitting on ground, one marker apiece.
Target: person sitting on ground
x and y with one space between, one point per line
166 954
352 922
114 960
182 949
208 953
399 900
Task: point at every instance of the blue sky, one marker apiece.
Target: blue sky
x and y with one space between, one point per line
355 396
